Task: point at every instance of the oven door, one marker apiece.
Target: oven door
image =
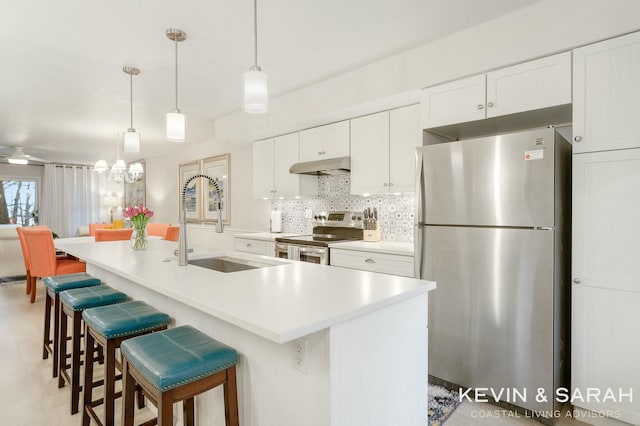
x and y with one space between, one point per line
311 254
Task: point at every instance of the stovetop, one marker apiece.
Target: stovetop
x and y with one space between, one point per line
320 240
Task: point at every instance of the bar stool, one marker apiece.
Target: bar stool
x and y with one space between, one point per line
109 326
73 302
55 285
176 365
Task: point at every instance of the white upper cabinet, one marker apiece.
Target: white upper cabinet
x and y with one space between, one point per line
320 143
263 168
541 83
455 102
405 135
532 85
272 159
606 95
383 151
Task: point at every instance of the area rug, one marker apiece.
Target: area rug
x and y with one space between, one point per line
442 402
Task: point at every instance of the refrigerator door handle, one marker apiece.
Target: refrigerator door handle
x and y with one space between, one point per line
419 220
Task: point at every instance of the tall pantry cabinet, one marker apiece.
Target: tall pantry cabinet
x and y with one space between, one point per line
606 224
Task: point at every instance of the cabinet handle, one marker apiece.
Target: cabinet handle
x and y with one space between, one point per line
369 260
321 153
480 106
578 138
248 245
489 104
390 184
386 184
577 280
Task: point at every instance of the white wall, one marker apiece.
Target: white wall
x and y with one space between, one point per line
542 29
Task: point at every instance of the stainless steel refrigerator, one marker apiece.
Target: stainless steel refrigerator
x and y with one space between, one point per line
493 230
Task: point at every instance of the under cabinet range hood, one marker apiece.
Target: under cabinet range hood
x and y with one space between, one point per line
330 166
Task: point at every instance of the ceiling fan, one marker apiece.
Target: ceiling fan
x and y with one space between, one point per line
19 157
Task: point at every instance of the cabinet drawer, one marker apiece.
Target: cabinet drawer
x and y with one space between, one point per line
374 262
250 246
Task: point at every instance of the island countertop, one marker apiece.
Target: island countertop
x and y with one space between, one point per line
280 303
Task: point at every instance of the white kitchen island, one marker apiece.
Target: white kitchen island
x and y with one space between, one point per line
364 334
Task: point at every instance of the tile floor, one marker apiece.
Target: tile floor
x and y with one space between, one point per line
29 396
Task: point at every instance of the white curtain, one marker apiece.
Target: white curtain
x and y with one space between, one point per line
70 198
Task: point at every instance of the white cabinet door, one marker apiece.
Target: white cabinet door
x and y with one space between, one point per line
320 143
285 155
404 136
531 85
605 271
606 95
370 154
454 102
263 168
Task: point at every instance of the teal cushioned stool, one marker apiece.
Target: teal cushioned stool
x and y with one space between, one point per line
73 302
109 326
176 365
53 286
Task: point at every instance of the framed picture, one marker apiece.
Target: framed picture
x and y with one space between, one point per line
218 168
135 193
192 197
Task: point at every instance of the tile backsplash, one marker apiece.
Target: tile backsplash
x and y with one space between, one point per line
395 212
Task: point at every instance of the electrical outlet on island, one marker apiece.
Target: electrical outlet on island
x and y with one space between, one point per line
300 355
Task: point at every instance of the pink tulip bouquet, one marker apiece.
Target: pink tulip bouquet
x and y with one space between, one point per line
139 216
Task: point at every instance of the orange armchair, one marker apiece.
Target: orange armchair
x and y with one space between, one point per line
157 229
43 261
95 226
25 254
172 233
113 234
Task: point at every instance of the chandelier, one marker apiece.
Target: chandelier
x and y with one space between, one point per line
119 172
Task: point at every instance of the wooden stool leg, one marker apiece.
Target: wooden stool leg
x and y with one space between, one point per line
128 393
165 410
62 349
47 327
231 398
28 286
75 362
188 412
56 332
88 376
109 381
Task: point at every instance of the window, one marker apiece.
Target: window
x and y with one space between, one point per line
18 201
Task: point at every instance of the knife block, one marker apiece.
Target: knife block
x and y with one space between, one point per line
371 234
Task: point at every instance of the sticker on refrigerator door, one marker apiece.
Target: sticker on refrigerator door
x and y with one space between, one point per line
536 154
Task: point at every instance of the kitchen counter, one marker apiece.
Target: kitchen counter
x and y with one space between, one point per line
389 247
346 323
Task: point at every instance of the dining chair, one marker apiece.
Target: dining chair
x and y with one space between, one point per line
157 229
25 254
43 261
95 226
172 233
102 235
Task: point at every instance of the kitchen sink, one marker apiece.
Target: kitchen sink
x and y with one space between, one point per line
229 264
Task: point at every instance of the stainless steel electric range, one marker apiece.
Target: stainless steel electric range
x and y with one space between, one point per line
327 228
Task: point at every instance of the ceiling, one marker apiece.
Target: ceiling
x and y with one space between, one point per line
65 98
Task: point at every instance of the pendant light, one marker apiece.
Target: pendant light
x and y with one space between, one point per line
131 139
256 91
176 121
118 172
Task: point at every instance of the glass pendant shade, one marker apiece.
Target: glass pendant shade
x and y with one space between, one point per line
256 93
176 126
131 141
101 166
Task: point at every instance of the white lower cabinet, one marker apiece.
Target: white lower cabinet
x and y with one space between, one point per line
605 348
393 264
248 245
